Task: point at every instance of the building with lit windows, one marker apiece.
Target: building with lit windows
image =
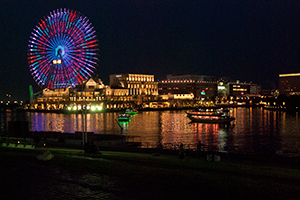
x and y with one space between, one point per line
289 84
237 89
188 86
190 77
237 92
136 84
90 91
141 91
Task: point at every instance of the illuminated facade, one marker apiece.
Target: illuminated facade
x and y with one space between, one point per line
190 77
195 86
237 88
56 94
289 84
136 84
141 91
52 99
91 90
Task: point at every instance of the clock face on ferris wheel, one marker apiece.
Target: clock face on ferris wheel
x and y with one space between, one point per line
62 50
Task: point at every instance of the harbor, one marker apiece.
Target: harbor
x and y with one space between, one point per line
254 130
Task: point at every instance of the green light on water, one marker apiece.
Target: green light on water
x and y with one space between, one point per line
124 122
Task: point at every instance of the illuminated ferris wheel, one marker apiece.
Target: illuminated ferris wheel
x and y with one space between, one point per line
63 50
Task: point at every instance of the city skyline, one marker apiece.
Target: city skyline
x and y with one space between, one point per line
249 41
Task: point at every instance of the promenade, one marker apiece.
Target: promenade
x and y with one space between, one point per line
71 174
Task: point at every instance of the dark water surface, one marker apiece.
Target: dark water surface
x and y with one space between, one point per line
254 130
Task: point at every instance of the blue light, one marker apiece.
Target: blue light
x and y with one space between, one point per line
61 52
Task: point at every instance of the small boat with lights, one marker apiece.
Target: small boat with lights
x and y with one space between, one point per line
124 117
210 115
131 111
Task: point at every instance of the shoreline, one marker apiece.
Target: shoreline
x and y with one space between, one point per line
274 108
122 109
117 143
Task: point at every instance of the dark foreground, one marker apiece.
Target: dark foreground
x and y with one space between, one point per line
119 175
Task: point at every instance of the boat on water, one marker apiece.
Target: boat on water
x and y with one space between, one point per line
210 115
131 111
124 117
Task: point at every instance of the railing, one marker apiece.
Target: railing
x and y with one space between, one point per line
27 143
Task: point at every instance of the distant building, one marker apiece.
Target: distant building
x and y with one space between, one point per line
190 77
188 86
56 94
52 99
237 88
136 84
289 84
264 93
91 90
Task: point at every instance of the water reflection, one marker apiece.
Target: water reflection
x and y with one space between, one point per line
255 130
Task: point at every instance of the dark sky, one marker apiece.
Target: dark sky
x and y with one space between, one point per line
248 40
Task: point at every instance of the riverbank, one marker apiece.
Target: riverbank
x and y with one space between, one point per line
108 110
100 111
126 175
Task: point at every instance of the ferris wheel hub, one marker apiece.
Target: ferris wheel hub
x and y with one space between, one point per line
59 51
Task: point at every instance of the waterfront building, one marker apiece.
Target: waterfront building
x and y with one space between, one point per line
233 92
52 99
91 90
61 94
190 77
237 88
241 89
140 90
268 93
117 97
125 90
289 84
136 84
188 86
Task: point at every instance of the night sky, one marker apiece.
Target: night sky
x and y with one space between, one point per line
246 40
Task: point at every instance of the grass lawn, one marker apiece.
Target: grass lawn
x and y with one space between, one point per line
144 176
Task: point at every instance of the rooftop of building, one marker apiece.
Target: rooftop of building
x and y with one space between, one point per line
288 75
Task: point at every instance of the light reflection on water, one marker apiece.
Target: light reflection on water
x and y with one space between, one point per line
255 130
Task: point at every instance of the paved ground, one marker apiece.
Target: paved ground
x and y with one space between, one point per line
37 180
22 179
112 176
